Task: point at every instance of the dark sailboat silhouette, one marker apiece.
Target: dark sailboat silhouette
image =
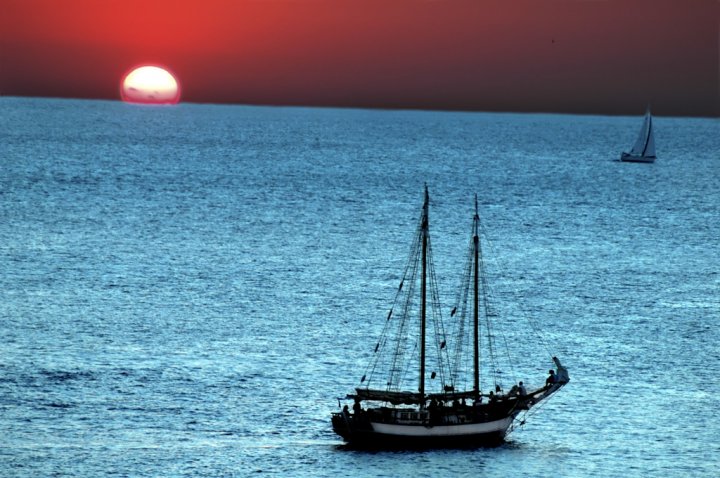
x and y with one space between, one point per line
456 413
643 151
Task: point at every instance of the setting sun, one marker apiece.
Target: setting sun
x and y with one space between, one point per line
150 85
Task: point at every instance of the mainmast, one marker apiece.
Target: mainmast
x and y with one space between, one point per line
424 231
476 321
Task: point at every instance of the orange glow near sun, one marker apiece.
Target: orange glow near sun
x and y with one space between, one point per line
150 85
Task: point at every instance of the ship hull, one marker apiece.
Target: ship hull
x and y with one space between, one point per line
366 433
630 158
483 425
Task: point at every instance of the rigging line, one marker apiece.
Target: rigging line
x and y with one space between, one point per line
532 411
404 370
535 409
461 302
396 320
491 352
527 316
400 363
487 310
410 264
415 246
410 275
513 373
518 422
465 276
402 347
380 352
496 328
465 348
460 344
380 347
403 327
462 359
438 323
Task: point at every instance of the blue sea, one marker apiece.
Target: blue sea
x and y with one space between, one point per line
187 290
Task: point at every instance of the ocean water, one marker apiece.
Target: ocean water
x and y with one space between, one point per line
186 291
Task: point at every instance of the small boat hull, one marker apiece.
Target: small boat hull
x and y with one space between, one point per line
631 158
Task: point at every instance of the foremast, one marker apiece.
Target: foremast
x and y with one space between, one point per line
476 305
424 230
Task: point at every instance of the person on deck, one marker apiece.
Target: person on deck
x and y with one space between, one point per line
552 379
521 390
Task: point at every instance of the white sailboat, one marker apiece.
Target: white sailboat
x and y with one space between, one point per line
448 406
643 151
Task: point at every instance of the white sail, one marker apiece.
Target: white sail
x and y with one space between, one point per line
642 140
644 148
650 143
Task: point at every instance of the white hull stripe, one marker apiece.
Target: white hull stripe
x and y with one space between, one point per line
443 430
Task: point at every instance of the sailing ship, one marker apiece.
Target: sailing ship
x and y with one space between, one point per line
399 404
643 151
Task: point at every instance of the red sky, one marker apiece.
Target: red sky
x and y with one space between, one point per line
585 56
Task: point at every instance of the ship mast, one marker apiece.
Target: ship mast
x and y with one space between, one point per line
476 321
423 294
